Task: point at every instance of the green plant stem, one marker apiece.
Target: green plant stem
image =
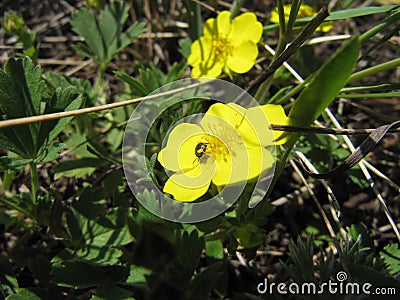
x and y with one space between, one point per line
282 28
12 205
374 70
35 180
235 8
285 29
195 28
373 31
99 80
374 87
370 95
8 180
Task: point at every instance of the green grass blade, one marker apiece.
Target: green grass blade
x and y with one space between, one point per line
344 14
325 84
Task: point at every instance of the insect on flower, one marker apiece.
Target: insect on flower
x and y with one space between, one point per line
200 150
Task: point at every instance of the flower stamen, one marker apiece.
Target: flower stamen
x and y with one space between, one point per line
223 48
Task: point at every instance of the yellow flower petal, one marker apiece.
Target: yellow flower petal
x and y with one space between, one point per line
189 185
276 115
286 11
255 129
326 26
260 160
231 113
197 176
222 120
242 57
244 165
304 11
210 29
203 70
251 124
224 23
196 52
179 152
246 27
274 16
184 194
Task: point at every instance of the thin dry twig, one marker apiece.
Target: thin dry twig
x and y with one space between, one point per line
367 176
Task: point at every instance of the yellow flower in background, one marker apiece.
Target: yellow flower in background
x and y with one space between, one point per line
304 12
228 147
226 45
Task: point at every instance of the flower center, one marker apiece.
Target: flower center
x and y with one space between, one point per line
223 47
220 144
215 147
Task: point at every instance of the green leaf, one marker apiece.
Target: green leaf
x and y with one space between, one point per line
13 163
135 84
325 84
100 255
190 250
360 11
21 95
51 153
64 99
91 203
7 276
85 24
150 78
362 273
101 232
249 235
156 246
84 50
137 276
112 291
77 274
176 72
78 144
40 268
77 168
360 232
103 34
185 46
114 183
391 256
111 20
21 89
132 33
35 294
24 294
97 239
207 279
215 249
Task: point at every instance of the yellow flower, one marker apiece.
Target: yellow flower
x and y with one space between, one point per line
229 147
304 12
226 45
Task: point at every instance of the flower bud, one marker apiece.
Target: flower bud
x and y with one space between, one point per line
12 23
